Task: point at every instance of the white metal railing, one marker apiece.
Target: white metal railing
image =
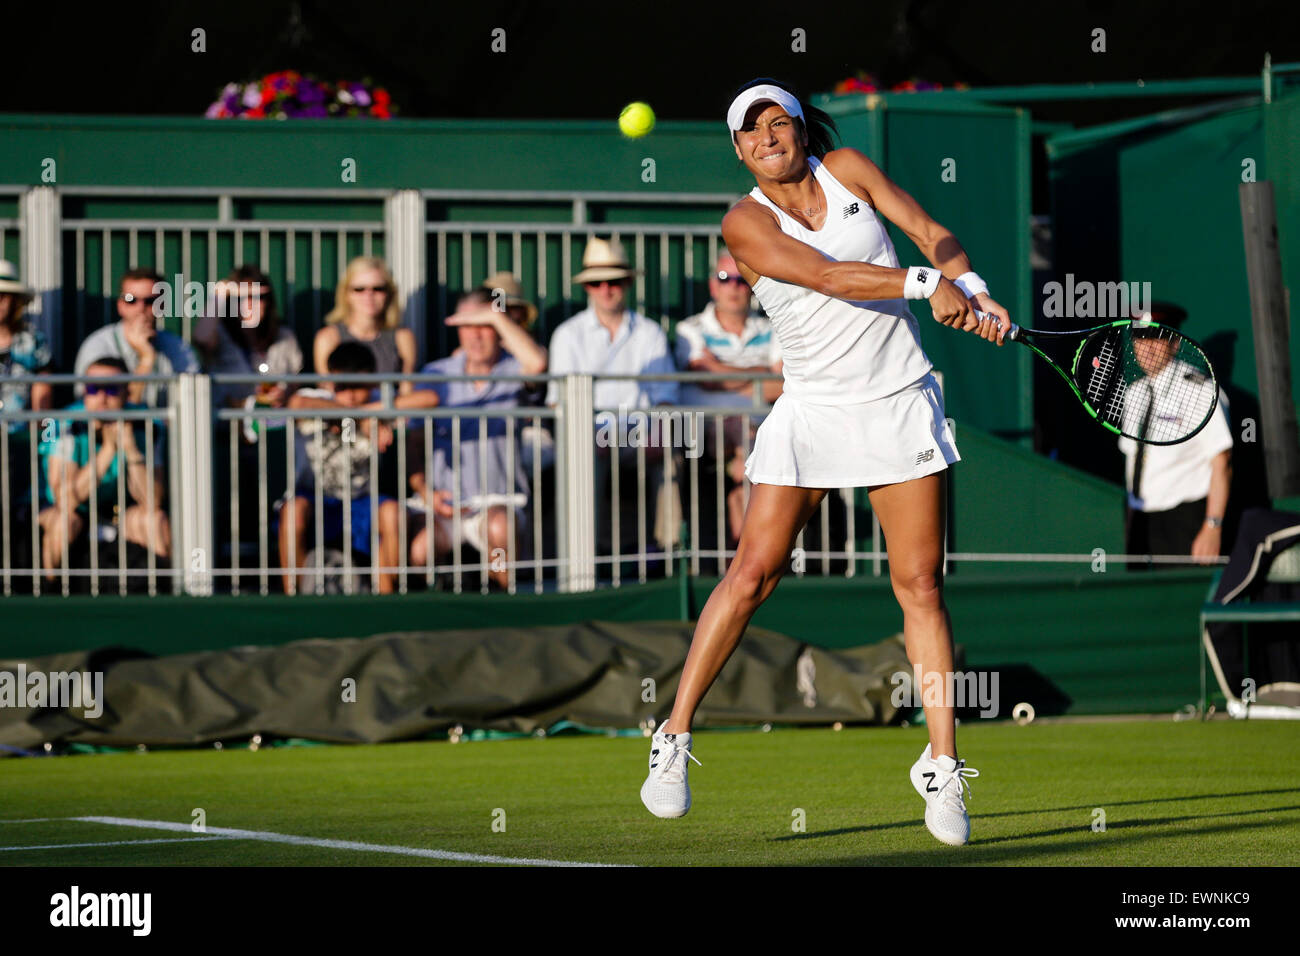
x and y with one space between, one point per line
30 440
590 507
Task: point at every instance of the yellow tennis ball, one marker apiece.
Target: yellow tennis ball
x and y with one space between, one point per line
636 120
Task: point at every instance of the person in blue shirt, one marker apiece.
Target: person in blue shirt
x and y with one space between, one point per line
70 474
491 343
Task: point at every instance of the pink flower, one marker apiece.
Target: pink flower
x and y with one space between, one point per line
252 95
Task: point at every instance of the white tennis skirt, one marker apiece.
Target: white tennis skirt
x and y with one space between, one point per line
896 438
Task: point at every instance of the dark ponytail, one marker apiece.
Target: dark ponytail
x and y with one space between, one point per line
816 123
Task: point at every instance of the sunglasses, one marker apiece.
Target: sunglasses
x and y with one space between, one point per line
370 288
732 277
112 390
130 299
615 283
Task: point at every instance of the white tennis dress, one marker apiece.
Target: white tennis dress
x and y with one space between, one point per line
859 406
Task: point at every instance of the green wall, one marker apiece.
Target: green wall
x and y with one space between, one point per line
1113 642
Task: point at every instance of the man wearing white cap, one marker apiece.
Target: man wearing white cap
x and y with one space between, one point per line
609 338
859 408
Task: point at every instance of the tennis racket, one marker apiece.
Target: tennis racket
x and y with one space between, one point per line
1142 380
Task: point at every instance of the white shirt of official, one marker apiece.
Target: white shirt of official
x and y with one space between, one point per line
639 347
1173 474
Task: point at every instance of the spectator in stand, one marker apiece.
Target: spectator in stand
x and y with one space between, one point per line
71 477
136 339
607 337
241 334
491 343
366 310
24 353
728 336
341 465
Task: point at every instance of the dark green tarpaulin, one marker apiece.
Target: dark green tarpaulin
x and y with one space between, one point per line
412 684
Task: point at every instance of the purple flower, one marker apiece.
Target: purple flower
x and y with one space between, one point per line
252 95
310 92
216 110
362 97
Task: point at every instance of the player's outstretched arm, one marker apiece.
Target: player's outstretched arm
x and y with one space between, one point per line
757 242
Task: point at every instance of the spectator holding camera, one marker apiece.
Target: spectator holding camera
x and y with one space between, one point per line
241 334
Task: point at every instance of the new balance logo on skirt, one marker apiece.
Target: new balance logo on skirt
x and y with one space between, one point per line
850 210
924 456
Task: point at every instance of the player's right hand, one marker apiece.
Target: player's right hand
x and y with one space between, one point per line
951 307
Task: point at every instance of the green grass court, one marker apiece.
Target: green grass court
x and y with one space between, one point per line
1174 794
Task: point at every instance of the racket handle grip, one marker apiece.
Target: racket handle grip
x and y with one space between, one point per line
1012 335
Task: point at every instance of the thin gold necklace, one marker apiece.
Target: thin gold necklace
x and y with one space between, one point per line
807 212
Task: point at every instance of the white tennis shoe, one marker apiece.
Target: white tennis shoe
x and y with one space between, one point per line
941 781
666 792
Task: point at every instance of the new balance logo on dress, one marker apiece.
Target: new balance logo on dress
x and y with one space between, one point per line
850 210
924 456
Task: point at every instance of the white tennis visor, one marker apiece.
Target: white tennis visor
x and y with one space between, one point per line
760 94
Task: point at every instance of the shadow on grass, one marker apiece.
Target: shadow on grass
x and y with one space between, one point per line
1087 808
983 853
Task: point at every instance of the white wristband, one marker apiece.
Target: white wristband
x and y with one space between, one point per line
921 282
970 284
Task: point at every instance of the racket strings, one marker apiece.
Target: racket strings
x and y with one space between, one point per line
1105 386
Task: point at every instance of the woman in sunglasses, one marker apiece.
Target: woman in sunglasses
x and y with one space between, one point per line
366 310
860 408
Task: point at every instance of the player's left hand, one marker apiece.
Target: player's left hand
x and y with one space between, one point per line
994 328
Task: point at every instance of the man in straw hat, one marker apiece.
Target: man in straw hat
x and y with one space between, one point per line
608 338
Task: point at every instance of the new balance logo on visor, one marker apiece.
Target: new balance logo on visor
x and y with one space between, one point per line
924 456
850 210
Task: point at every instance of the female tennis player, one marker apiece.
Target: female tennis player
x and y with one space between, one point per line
859 408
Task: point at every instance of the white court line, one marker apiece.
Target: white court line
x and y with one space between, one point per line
332 844
34 820
65 846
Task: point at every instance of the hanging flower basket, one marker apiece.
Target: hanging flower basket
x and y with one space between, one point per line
289 94
864 82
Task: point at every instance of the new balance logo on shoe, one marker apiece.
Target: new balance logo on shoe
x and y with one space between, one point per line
653 754
930 787
850 210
